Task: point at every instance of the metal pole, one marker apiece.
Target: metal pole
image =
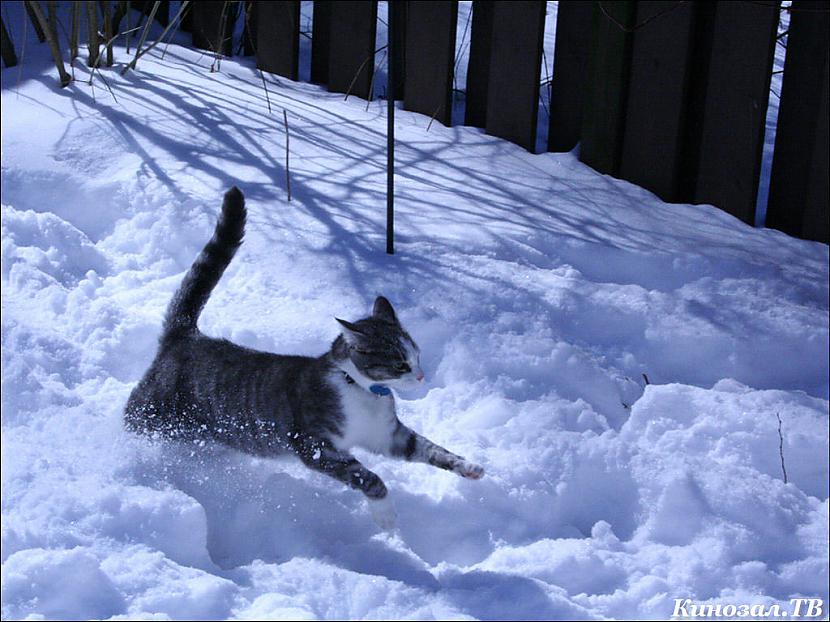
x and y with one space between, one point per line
390 134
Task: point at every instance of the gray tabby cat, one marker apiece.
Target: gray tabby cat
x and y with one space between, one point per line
199 387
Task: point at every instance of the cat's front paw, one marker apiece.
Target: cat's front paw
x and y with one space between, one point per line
469 470
383 512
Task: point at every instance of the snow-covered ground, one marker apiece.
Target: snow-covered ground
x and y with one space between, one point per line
541 293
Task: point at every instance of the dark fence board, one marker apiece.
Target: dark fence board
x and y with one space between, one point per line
399 9
352 46
733 114
656 113
250 30
320 38
41 36
516 56
278 37
798 195
430 56
606 91
570 64
815 224
186 24
212 22
9 57
478 64
162 13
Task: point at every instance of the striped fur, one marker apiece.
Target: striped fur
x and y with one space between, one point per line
204 274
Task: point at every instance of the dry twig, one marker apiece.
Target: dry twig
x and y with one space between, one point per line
144 33
138 51
287 175
781 447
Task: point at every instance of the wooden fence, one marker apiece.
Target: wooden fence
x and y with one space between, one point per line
670 95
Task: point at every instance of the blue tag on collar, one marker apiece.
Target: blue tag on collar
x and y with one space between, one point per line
379 389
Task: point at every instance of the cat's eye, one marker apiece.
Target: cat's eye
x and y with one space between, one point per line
402 367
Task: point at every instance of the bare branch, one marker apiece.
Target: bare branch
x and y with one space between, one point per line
287 175
781 447
138 51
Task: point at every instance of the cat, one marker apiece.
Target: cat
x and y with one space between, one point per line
198 387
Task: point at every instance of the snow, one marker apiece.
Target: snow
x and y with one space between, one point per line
539 291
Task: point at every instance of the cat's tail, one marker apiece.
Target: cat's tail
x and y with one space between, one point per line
206 271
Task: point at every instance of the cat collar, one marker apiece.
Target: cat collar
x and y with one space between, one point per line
377 389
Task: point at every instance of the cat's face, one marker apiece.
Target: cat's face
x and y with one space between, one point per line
381 350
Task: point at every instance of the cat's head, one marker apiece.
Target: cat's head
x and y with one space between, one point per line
381 350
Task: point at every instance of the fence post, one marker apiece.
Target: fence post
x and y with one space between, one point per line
606 88
249 14
516 56
430 56
798 194
730 91
278 37
478 65
658 97
353 24
397 62
212 22
570 63
320 37
162 13
395 24
9 57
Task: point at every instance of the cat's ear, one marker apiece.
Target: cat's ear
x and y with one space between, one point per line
383 310
350 331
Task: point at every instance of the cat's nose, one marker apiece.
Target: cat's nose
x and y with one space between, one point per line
420 376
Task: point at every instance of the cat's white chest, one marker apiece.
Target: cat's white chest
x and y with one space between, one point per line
368 420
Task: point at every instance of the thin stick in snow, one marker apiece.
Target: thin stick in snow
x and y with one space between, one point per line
176 29
265 86
372 81
144 33
22 49
460 50
100 75
356 74
138 51
41 36
547 83
287 175
432 118
220 39
781 447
